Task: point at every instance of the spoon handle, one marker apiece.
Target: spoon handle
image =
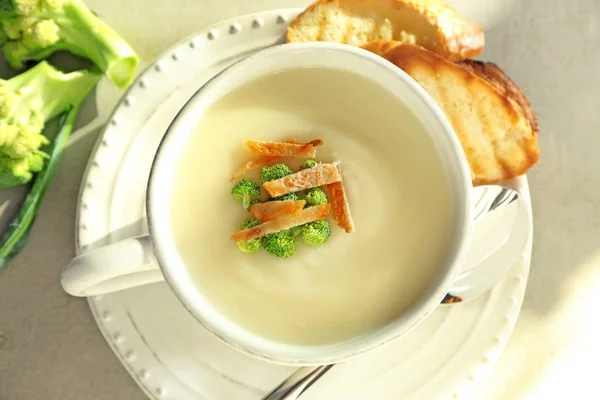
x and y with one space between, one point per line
297 383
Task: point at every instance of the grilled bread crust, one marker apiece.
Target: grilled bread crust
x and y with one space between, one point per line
428 23
490 115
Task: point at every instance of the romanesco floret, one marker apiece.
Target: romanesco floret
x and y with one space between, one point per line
20 141
249 246
244 190
14 172
316 233
27 101
37 28
276 171
282 244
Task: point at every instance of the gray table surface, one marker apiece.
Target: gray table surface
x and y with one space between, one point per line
50 347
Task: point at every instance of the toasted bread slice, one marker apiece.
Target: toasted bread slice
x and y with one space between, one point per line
284 149
341 207
498 139
340 204
496 76
273 209
321 175
488 71
283 222
428 23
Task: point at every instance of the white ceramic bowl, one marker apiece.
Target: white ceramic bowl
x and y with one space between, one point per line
269 61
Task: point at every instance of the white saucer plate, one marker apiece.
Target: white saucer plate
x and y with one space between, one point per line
171 356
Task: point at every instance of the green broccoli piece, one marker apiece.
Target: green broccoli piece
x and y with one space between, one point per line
249 246
35 29
27 101
316 233
307 164
255 201
282 244
270 173
287 196
244 190
315 197
296 230
250 223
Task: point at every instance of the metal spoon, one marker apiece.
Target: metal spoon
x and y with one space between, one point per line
297 383
487 200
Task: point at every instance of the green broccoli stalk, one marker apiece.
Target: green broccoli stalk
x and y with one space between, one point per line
307 164
27 101
244 190
276 171
18 233
315 197
249 246
316 233
35 29
282 244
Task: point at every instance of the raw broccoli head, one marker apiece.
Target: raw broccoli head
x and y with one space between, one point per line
249 246
18 141
244 190
27 101
307 164
282 244
34 29
315 197
276 171
18 171
316 233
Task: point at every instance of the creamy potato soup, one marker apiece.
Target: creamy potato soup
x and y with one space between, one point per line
354 283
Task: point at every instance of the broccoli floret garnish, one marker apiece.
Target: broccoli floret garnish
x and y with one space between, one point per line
249 246
270 173
27 101
287 196
297 230
255 201
244 190
282 244
307 164
316 233
34 29
315 197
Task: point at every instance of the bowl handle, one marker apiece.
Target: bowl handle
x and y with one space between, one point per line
111 268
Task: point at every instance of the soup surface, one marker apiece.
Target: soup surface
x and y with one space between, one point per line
354 283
